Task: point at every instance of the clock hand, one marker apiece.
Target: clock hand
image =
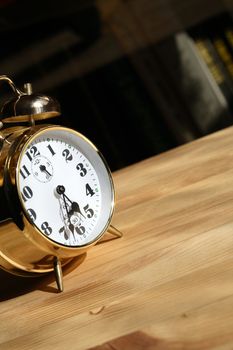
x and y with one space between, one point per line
43 169
74 205
67 228
61 190
64 228
67 212
76 208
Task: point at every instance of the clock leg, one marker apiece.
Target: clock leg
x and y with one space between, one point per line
110 231
114 231
58 273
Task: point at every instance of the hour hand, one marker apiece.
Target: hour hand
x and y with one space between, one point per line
75 208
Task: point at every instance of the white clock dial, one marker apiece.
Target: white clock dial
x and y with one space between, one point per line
65 187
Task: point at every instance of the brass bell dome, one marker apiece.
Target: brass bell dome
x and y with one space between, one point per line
27 106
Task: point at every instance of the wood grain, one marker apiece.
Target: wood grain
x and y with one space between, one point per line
168 282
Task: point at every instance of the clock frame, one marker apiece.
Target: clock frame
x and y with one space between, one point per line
24 250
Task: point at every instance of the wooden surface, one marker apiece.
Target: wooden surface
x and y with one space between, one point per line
167 284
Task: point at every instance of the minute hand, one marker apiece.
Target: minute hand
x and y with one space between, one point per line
67 212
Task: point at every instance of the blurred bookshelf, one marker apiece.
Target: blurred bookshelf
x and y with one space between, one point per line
138 77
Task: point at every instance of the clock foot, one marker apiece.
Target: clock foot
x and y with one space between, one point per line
58 273
110 231
114 231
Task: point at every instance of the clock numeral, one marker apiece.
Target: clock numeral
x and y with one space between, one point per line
46 228
51 150
88 211
27 193
89 190
80 230
82 169
32 214
33 152
24 172
68 156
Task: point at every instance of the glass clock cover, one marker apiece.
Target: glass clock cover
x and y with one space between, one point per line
65 187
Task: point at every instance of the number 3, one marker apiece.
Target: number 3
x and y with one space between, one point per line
82 169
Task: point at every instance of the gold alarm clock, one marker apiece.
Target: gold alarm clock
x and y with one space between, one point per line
56 190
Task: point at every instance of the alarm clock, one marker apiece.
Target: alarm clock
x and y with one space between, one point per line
56 189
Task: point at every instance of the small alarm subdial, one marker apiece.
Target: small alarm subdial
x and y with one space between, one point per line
42 168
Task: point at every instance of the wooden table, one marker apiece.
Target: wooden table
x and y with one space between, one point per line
167 284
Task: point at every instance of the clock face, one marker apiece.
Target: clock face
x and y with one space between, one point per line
65 187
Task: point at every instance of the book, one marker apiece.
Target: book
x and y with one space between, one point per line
190 73
219 30
211 44
175 101
164 94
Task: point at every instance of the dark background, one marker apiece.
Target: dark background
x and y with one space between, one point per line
108 63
